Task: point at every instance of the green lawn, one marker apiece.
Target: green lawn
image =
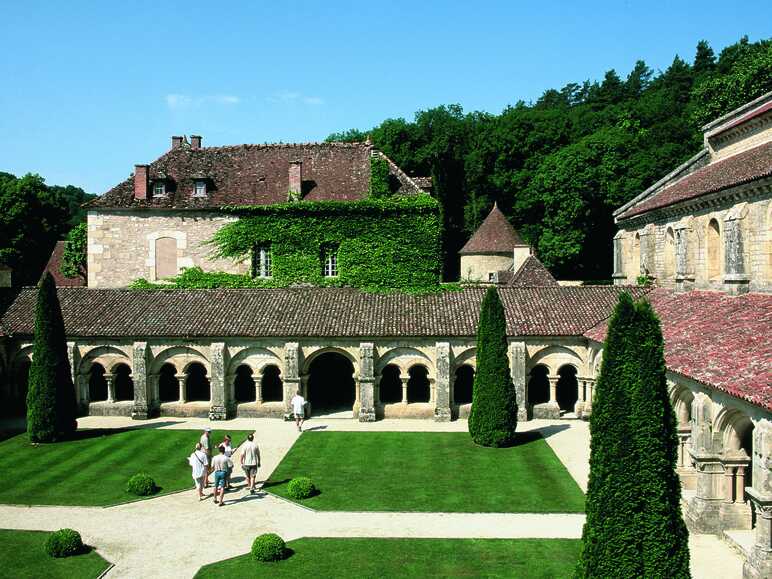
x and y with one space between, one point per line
23 555
357 558
433 472
93 468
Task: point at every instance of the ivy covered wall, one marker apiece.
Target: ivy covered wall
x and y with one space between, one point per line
383 244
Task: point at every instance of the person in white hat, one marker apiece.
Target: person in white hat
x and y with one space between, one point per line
206 447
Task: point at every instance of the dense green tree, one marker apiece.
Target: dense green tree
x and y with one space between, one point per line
75 248
51 404
634 526
704 58
493 420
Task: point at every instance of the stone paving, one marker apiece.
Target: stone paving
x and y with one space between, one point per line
174 535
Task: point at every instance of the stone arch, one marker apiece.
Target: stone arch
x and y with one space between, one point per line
255 358
713 250
244 388
418 385
271 384
390 384
736 431
567 388
197 385
107 356
168 384
404 358
180 357
538 391
682 400
670 254
463 384
97 383
468 357
553 357
309 360
331 385
122 382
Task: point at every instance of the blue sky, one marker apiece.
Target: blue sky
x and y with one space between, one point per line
91 88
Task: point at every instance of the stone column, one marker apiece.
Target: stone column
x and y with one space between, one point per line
181 378
258 389
404 379
684 275
110 379
218 401
366 390
684 469
442 383
703 507
648 251
291 375
73 357
517 355
759 563
553 390
580 397
619 276
736 280
589 384
143 399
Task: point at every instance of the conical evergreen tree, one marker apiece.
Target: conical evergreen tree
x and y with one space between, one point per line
493 420
51 405
634 526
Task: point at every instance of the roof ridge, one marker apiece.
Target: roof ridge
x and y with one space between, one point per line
334 144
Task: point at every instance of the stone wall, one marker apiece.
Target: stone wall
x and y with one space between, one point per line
122 244
479 267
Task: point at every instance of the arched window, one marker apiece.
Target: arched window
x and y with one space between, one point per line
124 385
271 385
567 388
670 253
390 386
197 383
463 385
165 257
713 246
244 384
418 389
635 257
539 385
168 386
97 385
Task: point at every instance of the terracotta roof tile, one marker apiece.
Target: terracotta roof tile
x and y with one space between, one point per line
54 268
716 339
495 235
738 169
531 273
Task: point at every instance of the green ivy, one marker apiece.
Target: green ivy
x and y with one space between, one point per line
384 244
74 257
379 177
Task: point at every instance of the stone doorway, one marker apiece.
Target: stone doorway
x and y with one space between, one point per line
331 387
567 389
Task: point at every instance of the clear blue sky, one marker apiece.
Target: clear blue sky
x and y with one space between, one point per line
91 88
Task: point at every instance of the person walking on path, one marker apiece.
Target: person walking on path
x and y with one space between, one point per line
298 409
206 447
227 443
199 462
220 465
250 462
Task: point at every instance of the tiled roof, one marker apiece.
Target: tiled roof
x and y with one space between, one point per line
250 175
531 273
324 312
495 235
54 268
736 170
715 339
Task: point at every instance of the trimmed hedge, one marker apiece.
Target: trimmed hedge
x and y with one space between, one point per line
269 547
493 419
51 404
634 526
64 543
300 488
142 485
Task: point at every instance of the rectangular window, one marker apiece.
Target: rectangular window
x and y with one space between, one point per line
200 189
159 188
330 261
261 260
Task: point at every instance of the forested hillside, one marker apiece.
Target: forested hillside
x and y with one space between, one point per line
559 167
33 217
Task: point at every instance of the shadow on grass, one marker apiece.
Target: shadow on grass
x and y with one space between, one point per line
89 433
320 427
275 483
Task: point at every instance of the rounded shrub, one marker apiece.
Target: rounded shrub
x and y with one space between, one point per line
142 485
301 487
269 547
64 543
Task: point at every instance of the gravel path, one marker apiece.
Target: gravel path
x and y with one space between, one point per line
174 535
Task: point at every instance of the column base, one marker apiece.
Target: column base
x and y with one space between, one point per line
366 414
736 284
758 565
688 477
549 410
579 408
735 516
702 515
140 412
586 411
218 413
523 412
442 415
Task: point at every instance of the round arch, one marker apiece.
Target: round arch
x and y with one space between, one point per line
331 384
181 357
308 361
553 357
403 358
418 385
107 356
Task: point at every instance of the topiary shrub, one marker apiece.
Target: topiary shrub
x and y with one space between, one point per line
64 543
301 487
142 485
269 547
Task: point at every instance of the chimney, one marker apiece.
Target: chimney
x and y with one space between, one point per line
176 142
140 181
295 180
195 141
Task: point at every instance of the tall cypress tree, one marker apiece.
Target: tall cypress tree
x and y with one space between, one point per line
634 526
51 404
493 420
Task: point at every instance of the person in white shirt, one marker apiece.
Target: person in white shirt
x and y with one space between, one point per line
199 462
298 409
227 443
250 462
220 465
206 447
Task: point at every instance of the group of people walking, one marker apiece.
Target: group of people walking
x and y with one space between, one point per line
206 460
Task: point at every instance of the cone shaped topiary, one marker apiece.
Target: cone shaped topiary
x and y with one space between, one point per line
51 404
634 526
493 420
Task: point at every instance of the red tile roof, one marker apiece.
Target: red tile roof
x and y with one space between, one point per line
329 312
250 175
495 235
54 268
716 339
745 118
736 170
531 273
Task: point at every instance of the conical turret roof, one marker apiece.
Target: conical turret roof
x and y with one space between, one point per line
495 235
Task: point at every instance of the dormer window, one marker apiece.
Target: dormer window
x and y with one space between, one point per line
199 189
159 189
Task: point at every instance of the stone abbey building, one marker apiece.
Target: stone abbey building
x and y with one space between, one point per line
702 237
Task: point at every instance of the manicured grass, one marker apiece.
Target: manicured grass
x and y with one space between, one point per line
93 468
23 555
433 472
356 558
